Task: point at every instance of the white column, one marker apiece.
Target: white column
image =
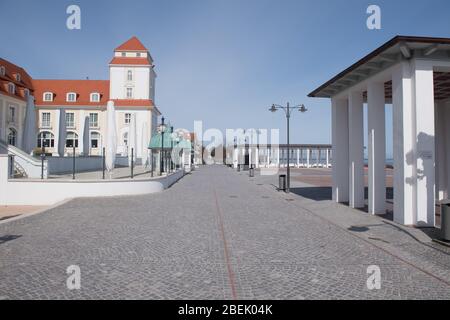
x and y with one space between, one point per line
340 149
318 158
257 158
182 159
424 97
328 158
302 164
356 149
404 145
278 157
308 153
298 158
377 147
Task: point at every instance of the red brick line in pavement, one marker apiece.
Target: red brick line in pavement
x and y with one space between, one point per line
225 247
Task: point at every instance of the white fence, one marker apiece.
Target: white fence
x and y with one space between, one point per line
60 165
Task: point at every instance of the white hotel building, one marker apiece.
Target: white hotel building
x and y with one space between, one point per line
73 112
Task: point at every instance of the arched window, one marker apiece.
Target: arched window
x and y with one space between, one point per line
46 139
11 88
130 75
71 97
95 140
95 97
12 136
48 96
71 140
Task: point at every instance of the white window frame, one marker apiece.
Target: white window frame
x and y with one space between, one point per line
95 94
138 54
2 70
99 139
69 94
44 136
129 75
46 123
70 123
12 136
127 118
11 114
129 96
124 54
13 86
75 139
44 96
93 124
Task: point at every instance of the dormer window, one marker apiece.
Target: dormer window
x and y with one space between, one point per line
18 78
11 88
2 71
124 54
138 54
48 96
129 75
26 93
95 97
71 97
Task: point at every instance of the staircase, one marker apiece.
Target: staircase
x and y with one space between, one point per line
25 165
19 172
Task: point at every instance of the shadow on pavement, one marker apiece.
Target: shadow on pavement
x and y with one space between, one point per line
314 193
8 238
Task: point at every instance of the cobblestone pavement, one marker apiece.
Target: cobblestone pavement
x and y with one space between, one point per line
216 234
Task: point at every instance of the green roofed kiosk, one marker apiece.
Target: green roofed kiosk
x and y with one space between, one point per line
162 150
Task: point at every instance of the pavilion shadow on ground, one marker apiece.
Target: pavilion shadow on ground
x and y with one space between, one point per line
314 193
325 193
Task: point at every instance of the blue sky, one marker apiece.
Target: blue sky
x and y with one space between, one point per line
223 62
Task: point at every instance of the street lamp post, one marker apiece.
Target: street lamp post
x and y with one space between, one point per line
171 148
288 111
162 128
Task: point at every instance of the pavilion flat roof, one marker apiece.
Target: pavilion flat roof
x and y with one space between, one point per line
395 50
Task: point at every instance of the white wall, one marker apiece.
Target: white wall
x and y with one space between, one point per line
49 192
140 83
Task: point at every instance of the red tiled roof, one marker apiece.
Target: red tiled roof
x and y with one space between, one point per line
60 88
130 61
10 77
132 44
